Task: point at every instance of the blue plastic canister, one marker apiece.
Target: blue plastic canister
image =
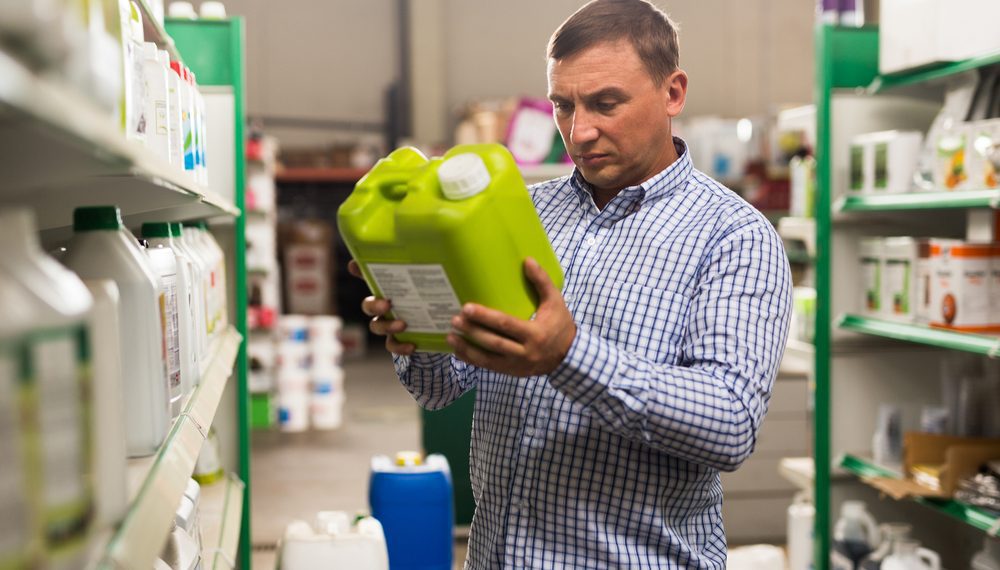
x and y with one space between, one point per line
413 501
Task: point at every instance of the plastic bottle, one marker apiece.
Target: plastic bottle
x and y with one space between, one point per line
164 263
101 249
195 125
907 555
19 526
157 102
989 557
891 534
108 442
854 536
186 288
133 117
174 104
187 116
197 272
801 519
200 132
431 235
333 541
181 551
54 380
208 469
327 398
215 258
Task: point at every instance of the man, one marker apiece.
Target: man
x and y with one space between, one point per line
601 425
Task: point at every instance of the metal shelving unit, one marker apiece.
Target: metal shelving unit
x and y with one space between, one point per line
157 483
918 201
975 517
851 383
986 345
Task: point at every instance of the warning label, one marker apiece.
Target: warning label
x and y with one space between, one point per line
421 295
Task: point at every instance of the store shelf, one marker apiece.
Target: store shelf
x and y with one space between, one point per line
157 483
799 229
221 512
62 152
930 73
918 201
320 175
966 342
972 516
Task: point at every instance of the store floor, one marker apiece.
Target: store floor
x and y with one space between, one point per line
296 475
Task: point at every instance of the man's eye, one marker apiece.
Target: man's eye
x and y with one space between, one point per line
562 107
605 106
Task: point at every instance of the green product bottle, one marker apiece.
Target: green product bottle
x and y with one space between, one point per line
433 234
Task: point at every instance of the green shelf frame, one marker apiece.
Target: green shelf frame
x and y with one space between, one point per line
919 201
216 51
973 516
966 342
930 73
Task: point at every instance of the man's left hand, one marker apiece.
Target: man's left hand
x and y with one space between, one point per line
513 346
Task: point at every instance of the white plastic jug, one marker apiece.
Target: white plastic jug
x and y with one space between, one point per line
101 249
801 518
201 257
854 536
110 448
189 357
333 542
53 380
989 557
908 555
164 264
892 533
197 298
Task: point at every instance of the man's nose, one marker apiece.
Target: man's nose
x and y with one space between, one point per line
583 130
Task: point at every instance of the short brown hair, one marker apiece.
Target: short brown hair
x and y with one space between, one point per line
649 29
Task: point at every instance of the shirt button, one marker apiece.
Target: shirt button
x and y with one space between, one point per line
529 431
591 241
568 298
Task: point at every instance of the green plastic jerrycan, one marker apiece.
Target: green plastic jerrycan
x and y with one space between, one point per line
434 234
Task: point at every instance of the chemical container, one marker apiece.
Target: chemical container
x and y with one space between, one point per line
413 501
332 541
433 234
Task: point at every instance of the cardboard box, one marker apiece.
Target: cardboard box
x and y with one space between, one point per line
959 457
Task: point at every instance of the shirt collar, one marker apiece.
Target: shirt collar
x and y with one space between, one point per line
667 181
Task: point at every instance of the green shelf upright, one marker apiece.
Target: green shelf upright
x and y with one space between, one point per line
215 50
846 58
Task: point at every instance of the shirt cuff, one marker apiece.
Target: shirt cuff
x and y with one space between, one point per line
588 369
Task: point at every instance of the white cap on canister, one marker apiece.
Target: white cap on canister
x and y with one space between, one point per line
213 10
182 10
463 175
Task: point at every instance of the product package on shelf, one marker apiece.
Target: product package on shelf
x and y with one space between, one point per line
310 380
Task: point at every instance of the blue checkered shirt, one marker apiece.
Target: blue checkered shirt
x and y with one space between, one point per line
681 294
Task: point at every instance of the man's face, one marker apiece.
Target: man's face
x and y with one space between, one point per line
614 120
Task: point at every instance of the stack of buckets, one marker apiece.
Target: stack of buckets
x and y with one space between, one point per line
310 379
412 498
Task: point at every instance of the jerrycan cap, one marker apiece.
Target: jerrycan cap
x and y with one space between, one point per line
409 458
463 175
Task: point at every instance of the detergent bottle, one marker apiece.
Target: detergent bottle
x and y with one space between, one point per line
432 234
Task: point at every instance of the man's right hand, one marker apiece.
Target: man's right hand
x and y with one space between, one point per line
380 323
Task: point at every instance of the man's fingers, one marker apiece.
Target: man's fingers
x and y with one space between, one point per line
375 307
540 279
384 327
498 321
488 339
471 354
400 348
354 269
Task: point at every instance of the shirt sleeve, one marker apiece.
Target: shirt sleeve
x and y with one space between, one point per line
434 380
707 408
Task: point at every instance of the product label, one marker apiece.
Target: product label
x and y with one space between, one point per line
421 295
872 274
60 369
881 165
15 523
171 330
162 120
857 167
897 277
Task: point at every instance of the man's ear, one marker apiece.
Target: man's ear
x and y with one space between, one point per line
676 86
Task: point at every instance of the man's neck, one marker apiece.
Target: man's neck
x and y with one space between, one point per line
603 197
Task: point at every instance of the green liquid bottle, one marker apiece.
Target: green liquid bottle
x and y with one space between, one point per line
433 234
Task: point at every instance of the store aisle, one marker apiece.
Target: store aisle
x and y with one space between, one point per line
295 475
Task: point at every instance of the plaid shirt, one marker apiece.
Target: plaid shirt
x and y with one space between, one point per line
681 294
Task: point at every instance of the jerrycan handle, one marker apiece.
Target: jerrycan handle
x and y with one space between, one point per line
394 185
930 558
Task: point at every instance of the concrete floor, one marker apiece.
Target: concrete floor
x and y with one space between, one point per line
296 475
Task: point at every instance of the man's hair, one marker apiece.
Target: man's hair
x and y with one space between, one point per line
647 28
